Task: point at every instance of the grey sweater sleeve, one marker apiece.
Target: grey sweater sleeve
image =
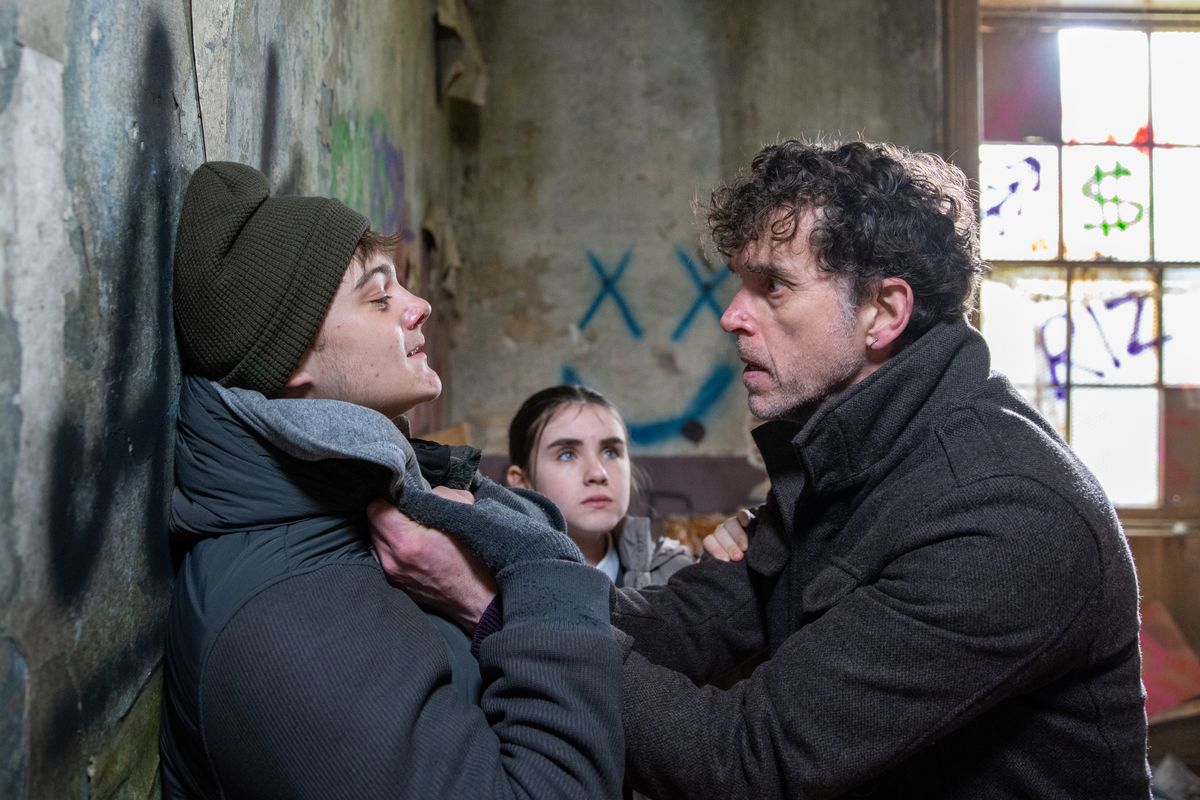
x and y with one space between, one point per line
333 684
503 526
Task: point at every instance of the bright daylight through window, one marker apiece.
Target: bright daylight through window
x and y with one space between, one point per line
1089 176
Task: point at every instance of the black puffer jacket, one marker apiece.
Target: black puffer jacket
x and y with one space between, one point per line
294 670
939 597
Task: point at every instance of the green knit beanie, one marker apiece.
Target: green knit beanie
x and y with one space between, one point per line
255 274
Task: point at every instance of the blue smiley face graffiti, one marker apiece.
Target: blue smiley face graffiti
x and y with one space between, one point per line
689 421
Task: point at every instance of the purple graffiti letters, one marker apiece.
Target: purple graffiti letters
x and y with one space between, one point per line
1057 359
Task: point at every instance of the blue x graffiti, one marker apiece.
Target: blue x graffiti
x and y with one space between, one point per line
608 287
705 296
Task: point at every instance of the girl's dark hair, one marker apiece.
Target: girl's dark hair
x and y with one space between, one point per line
881 212
525 430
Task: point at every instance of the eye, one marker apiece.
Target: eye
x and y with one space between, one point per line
565 455
611 452
774 286
382 303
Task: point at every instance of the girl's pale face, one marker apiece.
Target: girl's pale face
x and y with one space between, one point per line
582 464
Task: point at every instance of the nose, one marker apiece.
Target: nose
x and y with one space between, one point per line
735 319
416 312
596 473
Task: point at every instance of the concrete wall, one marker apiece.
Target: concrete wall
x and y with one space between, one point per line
105 108
604 122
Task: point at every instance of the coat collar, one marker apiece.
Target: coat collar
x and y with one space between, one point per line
870 426
876 419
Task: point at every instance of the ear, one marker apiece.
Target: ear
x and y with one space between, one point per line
515 476
888 313
301 382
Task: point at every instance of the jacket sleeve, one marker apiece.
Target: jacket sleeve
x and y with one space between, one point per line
1001 595
334 684
704 622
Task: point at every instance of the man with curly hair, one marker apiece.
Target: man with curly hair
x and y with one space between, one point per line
937 600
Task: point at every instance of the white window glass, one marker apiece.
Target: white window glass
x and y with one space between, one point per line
1115 317
1016 305
1175 66
1106 197
1115 432
1104 76
1181 326
1018 202
1176 212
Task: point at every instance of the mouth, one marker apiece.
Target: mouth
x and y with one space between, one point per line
416 351
755 376
597 501
751 365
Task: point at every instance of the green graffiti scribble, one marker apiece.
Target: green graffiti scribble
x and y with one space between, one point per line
1091 190
367 171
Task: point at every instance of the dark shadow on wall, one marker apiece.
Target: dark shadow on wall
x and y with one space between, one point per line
111 449
90 472
270 105
111 472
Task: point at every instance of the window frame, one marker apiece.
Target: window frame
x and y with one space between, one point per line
964 25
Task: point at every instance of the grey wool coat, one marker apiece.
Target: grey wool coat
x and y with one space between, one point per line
647 558
939 600
292 668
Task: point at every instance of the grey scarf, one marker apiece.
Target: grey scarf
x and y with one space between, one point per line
502 527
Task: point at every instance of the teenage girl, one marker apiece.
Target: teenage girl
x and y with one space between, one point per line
571 444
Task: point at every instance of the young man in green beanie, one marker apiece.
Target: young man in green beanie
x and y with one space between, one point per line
292 668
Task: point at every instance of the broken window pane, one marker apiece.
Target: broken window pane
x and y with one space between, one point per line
1020 84
1181 439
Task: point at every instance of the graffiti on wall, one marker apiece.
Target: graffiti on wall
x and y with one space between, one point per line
688 421
608 288
368 172
704 293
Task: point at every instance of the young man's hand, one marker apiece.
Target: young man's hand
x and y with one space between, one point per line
428 564
729 541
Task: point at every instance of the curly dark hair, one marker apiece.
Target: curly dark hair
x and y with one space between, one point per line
883 211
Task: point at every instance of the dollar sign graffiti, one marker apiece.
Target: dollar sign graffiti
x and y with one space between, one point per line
1091 190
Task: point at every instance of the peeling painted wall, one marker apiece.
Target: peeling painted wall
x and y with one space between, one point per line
604 122
105 109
